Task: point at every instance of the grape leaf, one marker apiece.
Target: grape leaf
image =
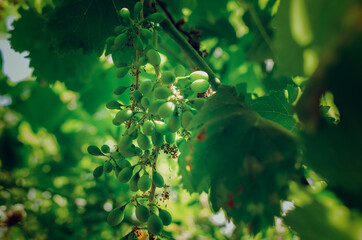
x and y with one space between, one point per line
29 34
85 24
248 159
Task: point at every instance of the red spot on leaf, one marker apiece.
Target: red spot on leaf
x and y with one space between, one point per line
202 136
231 202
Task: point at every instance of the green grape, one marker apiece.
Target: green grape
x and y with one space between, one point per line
119 29
120 64
154 224
198 103
144 183
148 127
200 86
124 164
146 34
155 105
116 155
124 115
124 12
168 77
166 109
170 137
117 170
110 40
153 57
138 151
146 86
105 149
165 217
142 213
142 61
121 40
116 216
98 171
158 180
125 174
199 75
162 92
119 90
137 95
133 182
137 43
161 127
107 167
186 119
147 153
129 152
157 139
121 72
138 8
174 123
143 142
113 105
156 17
115 122
125 142
179 70
145 102
94 150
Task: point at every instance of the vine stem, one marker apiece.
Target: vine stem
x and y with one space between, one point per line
190 52
153 189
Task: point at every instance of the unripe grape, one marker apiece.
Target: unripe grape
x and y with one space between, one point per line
199 75
110 40
166 109
165 217
143 142
94 150
124 115
170 137
121 40
198 103
105 149
137 95
200 86
154 224
107 167
137 43
113 105
124 164
158 180
179 70
117 170
156 17
138 151
121 72
125 142
124 12
119 64
133 182
129 152
119 29
142 213
138 8
168 77
125 174
116 216
186 119
145 33
174 123
98 171
157 139
162 92
155 105
161 127
116 155
145 102
153 57
146 86
148 128
144 183
119 90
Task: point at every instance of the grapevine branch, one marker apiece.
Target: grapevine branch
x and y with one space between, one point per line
199 62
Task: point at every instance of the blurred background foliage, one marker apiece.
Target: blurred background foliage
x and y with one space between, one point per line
297 62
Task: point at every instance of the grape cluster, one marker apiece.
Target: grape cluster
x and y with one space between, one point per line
158 118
